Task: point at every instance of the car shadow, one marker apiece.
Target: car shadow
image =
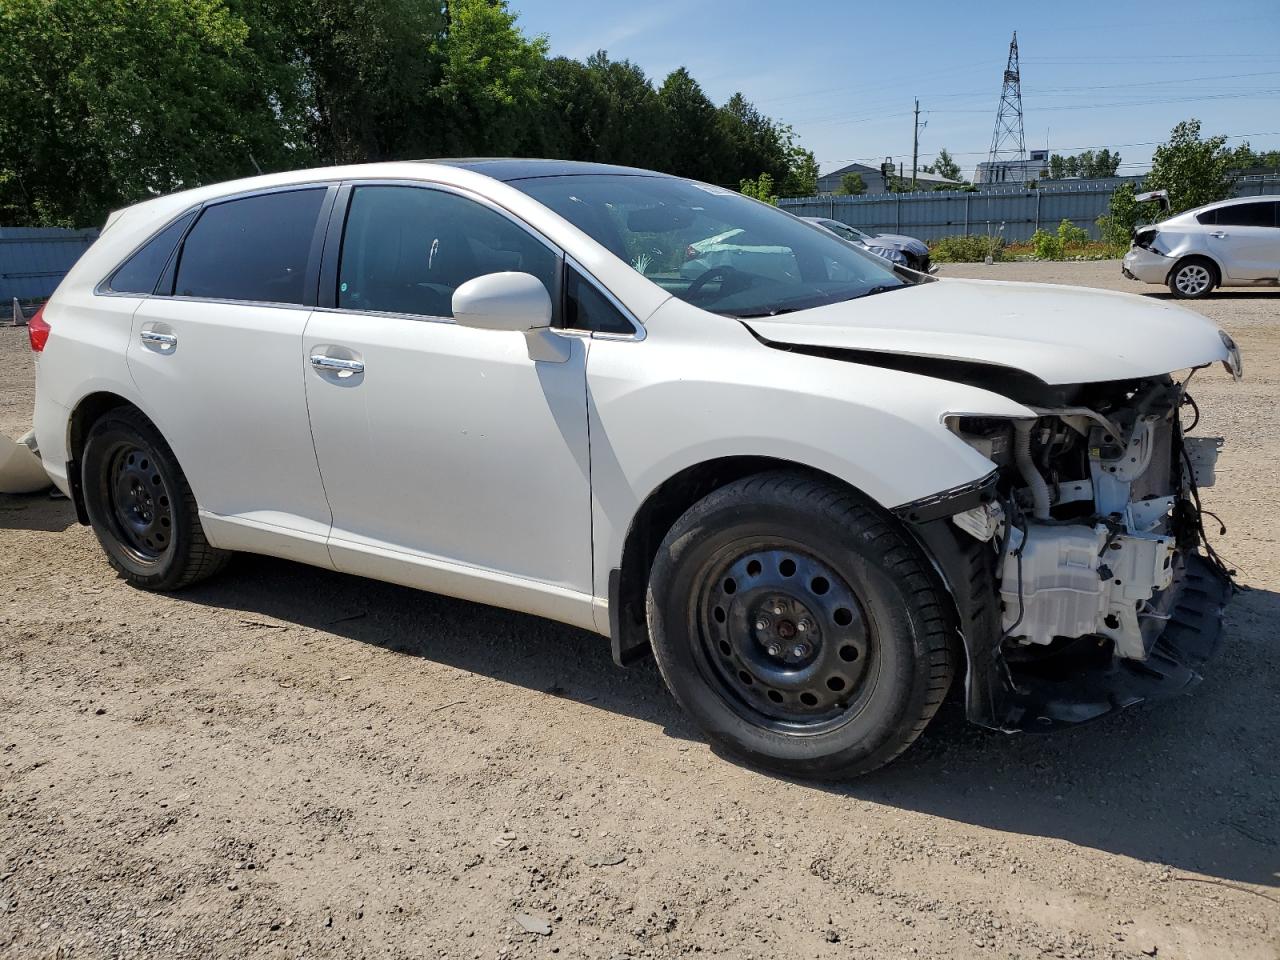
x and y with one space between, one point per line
1222 293
36 511
1193 783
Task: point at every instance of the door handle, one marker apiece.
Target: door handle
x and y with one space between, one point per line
1218 235
165 341
342 367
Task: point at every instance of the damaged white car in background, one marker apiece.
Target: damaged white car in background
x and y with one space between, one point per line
817 486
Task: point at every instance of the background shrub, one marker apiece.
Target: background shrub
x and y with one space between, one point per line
969 249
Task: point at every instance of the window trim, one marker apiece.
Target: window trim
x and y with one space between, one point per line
327 281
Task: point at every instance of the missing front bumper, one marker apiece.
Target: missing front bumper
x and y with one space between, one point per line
1086 682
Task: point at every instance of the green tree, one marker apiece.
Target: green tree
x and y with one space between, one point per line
696 145
1088 165
761 188
1194 171
801 179
753 142
944 165
1125 213
107 102
488 90
852 185
634 132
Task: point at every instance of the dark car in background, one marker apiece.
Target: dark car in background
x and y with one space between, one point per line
907 251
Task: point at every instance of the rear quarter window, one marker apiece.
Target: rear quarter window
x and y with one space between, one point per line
141 272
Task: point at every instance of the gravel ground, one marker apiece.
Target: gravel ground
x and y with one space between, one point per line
288 762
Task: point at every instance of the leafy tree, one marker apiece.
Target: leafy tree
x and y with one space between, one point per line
761 188
696 147
802 173
488 85
1125 214
634 133
1088 165
944 165
1194 171
852 185
1244 157
753 142
105 102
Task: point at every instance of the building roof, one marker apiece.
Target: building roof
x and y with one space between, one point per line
867 168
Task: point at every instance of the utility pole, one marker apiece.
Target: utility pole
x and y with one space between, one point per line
915 144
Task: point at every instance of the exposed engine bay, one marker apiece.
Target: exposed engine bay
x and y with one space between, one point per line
1093 503
1092 531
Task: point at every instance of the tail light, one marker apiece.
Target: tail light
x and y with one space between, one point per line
38 331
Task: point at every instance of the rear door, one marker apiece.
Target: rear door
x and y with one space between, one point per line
215 355
1246 240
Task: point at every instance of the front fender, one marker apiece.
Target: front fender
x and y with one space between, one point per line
693 392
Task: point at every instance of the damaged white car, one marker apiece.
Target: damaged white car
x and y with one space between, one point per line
818 487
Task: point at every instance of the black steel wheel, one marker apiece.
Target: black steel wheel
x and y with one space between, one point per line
784 637
800 626
141 507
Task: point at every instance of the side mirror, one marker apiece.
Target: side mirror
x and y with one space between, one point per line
503 301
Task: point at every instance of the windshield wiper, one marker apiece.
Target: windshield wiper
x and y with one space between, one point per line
775 312
880 288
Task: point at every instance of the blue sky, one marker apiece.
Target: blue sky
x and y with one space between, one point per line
844 75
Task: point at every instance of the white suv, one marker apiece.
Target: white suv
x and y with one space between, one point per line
817 488
1232 243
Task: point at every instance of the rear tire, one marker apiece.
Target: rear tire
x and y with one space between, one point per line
732 583
1193 278
141 507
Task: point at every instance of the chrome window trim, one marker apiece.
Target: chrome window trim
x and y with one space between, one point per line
639 332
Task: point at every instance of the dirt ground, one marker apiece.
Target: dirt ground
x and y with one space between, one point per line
287 762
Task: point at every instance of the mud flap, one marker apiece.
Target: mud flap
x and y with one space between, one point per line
20 468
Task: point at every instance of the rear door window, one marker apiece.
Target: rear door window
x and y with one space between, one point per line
407 249
254 249
1247 215
141 272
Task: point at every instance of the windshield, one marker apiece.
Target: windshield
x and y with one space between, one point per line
712 247
844 230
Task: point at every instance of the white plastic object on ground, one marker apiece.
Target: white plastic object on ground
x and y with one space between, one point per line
20 469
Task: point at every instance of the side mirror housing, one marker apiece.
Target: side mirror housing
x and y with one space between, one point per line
503 301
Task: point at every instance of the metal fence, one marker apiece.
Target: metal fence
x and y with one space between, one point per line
33 260
931 215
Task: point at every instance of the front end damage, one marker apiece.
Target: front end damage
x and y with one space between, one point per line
1080 566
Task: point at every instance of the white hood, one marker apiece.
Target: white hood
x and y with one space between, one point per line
1059 334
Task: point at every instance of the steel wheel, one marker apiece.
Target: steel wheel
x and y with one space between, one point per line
784 639
1193 279
141 511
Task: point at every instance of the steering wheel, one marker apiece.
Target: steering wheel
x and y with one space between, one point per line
702 279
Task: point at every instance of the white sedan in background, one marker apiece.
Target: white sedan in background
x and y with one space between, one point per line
816 486
1232 243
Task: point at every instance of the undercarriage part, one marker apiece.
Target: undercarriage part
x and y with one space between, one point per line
1202 455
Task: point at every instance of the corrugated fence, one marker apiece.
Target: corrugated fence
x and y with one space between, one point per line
33 260
930 215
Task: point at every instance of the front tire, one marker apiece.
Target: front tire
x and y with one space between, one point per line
799 626
1193 278
141 507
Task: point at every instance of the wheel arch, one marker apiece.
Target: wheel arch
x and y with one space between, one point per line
87 411
1208 258
665 504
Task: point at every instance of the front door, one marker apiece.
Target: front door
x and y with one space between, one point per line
451 460
1246 240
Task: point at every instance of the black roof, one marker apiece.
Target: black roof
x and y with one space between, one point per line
517 168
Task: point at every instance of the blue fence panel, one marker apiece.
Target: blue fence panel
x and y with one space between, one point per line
935 214
33 260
